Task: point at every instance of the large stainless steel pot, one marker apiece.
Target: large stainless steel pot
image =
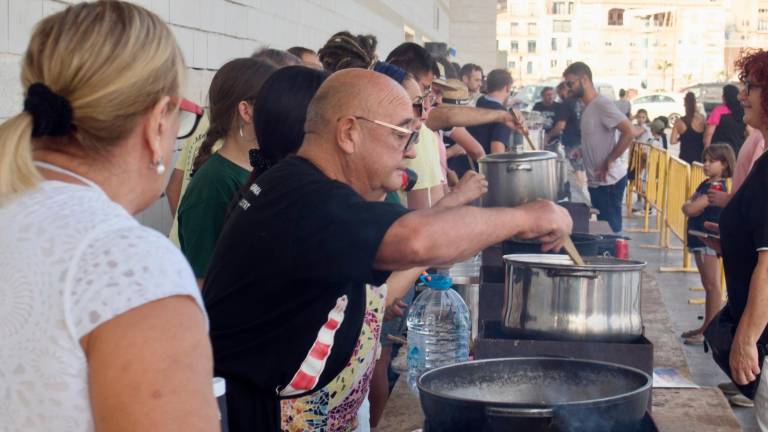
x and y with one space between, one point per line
534 394
548 296
519 177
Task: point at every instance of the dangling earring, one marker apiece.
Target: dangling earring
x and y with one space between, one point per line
241 131
159 166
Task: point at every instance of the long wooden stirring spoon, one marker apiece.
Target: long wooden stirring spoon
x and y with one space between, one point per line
570 249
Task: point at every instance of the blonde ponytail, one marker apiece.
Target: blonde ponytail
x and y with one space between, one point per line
111 61
17 172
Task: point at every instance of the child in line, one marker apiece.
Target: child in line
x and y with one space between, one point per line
719 162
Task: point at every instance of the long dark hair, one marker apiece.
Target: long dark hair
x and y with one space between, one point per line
236 81
690 107
279 115
731 99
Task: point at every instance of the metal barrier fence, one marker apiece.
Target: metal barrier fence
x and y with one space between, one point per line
678 187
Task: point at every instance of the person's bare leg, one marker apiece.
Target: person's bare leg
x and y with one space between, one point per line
710 277
379 392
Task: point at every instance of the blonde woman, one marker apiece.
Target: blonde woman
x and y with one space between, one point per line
101 326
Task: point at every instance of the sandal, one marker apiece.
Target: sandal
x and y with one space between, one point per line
697 339
691 333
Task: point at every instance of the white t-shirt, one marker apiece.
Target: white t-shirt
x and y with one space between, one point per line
70 260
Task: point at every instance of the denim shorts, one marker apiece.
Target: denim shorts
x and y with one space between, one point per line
704 250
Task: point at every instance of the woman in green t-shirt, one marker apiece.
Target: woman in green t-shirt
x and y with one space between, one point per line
218 175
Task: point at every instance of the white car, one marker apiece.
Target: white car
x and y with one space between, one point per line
669 105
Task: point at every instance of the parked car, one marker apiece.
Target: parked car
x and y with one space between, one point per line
670 105
709 94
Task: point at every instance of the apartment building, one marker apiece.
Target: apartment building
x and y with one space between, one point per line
646 45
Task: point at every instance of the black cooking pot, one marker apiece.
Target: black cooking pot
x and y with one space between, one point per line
585 243
534 394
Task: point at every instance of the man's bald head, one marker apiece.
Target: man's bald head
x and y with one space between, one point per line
354 92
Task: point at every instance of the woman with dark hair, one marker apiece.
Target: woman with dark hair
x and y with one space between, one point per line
739 333
689 131
726 122
279 115
217 175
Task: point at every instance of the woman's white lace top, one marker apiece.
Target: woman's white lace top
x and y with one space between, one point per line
70 259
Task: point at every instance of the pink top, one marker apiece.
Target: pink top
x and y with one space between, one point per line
714 116
751 150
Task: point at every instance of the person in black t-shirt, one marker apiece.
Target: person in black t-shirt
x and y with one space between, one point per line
719 162
494 136
554 112
744 245
293 291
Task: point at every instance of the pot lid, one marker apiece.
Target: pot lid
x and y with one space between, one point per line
564 262
518 156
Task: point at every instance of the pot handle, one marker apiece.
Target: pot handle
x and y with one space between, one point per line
572 273
501 412
519 167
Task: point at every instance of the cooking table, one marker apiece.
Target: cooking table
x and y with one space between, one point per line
701 410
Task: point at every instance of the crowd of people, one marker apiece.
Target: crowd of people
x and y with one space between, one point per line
298 236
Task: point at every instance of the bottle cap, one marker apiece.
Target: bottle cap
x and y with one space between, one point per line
437 281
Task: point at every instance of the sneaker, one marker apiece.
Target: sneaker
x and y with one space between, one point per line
694 340
728 388
740 400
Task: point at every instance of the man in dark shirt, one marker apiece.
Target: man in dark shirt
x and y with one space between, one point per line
494 136
554 113
288 291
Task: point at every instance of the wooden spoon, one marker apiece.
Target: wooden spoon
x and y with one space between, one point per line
570 249
525 134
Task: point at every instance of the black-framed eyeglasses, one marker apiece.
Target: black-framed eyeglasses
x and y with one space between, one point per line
190 115
413 136
748 86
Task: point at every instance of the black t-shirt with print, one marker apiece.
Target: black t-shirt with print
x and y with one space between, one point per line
552 113
295 243
710 214
744 230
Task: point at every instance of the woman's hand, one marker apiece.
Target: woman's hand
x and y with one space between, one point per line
744 361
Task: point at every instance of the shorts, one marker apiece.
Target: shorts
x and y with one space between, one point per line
704 250
396 326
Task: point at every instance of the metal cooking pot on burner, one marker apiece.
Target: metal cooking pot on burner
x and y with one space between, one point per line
548 296
519 177
534 394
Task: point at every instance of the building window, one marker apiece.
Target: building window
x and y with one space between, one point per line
762 10
558 8
570 8
513 27
762 25
554 44
529 68
616 17
531 46
513 47
501 5
570 43
531 28
663 19
561 26
511 65
608 43
553 64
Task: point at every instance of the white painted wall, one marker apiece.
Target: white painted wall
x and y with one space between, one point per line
211 32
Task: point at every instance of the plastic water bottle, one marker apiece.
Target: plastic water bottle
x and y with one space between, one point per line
438 328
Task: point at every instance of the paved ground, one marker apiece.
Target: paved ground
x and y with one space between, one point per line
675 293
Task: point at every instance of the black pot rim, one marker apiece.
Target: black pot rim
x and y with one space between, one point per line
588 403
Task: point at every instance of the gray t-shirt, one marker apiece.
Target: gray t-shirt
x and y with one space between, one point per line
598 136
624 106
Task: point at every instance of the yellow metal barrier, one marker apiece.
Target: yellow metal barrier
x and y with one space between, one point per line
650 178
678 192
634 184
